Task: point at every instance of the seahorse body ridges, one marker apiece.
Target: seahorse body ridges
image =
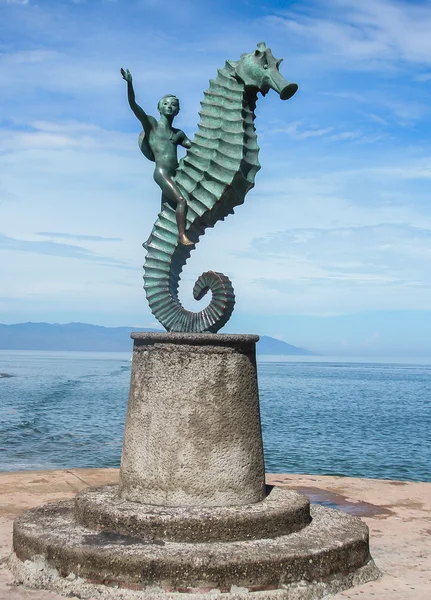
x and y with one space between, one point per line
214 176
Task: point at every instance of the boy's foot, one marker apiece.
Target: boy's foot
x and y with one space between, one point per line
184 240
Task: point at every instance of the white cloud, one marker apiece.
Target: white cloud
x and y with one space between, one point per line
295 130
45 135
22 2
28 57
371 34
422 77
300 131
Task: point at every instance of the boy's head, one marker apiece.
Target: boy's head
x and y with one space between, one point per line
168 105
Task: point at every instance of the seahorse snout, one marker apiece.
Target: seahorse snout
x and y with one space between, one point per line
278 83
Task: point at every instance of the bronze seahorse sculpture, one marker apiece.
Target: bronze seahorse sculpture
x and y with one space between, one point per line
214 177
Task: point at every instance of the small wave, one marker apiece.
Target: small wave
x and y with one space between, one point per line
4 375
120 371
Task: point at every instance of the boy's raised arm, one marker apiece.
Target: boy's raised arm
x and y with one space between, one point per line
137 110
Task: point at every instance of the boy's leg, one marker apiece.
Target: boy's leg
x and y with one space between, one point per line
180 214
170 189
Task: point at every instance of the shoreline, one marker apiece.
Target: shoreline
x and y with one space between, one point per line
398 514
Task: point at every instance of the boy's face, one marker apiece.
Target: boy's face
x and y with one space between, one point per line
169 107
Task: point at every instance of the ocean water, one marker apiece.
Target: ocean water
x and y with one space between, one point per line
319 415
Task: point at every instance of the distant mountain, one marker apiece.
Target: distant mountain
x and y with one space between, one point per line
72 336
85 337
269 345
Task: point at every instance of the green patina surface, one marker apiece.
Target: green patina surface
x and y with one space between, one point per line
215 175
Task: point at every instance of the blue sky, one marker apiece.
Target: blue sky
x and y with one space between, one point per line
331 249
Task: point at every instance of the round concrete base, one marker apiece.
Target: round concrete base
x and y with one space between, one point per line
52 551
193 434
282 512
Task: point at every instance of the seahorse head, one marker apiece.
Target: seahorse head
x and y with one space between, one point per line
259 70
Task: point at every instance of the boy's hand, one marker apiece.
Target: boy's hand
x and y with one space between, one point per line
126 75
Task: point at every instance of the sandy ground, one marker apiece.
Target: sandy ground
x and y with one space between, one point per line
398 514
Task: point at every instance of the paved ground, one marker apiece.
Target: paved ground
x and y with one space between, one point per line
398 514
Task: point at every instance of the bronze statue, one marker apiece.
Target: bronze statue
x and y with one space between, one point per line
215 175
158 142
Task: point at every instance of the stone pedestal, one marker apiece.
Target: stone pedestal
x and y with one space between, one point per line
191 515
193 435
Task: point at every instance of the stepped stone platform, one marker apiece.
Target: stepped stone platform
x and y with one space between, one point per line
329 554
98 542
281 513
398 514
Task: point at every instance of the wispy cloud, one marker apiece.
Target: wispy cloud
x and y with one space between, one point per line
378 260
22 2
28 56
56 249
300 131
77 236
366 35
422 77
57 135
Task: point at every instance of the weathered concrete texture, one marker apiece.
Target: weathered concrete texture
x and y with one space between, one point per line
282 512
397 513
38 574
332 546
193 434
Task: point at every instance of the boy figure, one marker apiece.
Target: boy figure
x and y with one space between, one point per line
158 142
